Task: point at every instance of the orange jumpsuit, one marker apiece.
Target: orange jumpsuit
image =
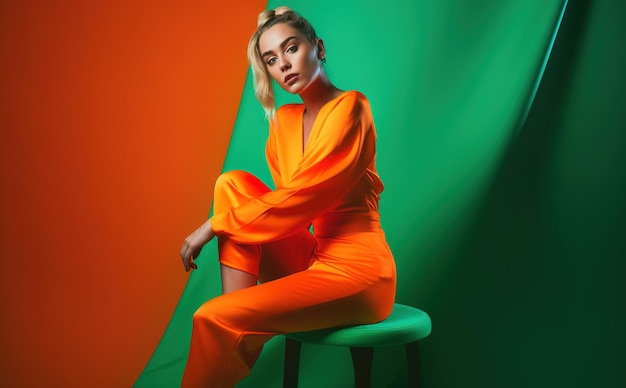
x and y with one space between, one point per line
342 274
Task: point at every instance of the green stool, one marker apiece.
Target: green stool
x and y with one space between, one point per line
405 326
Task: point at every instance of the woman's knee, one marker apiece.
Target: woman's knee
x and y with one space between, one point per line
206 315
232 188
229 180
219 315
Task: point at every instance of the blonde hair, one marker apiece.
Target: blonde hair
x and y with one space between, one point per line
263 87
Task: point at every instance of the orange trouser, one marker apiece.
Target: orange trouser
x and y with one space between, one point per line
318 282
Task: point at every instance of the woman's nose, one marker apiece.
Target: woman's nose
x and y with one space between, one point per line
284 64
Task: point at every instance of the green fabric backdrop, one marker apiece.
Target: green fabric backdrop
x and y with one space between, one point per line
503 224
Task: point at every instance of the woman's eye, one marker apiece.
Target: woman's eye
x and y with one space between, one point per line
292 49
271 61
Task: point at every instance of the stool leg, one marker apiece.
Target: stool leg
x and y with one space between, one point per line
292 363
362 363
413 363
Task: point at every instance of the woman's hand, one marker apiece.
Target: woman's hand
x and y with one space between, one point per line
193 244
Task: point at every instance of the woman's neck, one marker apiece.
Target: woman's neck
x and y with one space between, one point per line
318 94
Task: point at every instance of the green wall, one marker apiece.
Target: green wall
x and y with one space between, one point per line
533 295
506 223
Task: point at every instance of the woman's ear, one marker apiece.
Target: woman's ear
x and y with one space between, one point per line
321 50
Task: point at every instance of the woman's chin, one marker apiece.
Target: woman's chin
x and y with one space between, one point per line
293 89
298 87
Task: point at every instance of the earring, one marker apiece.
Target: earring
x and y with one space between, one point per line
323 61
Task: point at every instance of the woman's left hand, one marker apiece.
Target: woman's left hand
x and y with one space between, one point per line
193 244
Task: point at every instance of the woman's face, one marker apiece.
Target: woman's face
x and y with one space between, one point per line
290 58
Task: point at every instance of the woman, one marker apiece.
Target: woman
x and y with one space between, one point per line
321 155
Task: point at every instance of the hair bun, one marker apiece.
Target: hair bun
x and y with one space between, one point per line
281 10
269 14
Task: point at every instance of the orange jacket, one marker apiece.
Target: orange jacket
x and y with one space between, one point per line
334 180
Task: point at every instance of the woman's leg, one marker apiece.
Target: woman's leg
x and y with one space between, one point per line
234 279
244 264
233 189
230 330
241 267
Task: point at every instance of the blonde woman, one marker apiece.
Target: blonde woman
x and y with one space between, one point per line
321 154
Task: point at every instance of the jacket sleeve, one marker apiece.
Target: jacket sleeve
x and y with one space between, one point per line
333 162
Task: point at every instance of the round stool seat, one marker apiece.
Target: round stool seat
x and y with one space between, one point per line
404 325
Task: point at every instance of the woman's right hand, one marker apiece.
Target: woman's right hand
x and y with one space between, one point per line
193 244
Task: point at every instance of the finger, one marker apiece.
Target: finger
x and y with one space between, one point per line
183 256
186 254
189 265
184 249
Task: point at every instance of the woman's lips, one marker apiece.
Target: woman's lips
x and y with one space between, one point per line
290 79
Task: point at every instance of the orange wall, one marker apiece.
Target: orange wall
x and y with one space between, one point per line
114 122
